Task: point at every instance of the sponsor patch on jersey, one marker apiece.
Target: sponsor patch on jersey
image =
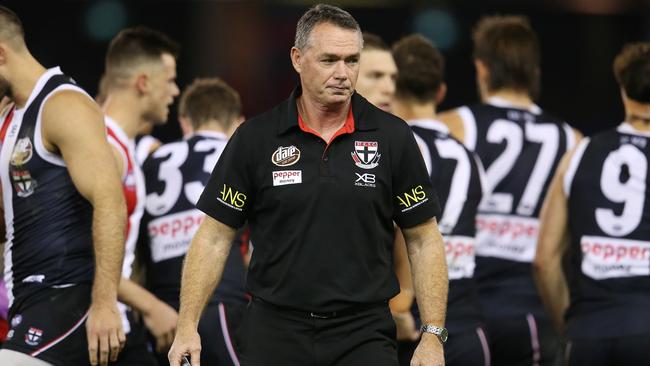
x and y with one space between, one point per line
285 156
366 154
411 199
34 336
507 237
23 152
365 180
232 198
604 257
460 256
170 235
284 177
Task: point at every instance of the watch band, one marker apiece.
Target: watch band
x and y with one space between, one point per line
441 333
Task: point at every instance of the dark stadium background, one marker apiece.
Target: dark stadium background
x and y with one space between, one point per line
247 44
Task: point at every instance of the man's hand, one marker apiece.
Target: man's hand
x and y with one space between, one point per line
105 334
406 327
186 343
429 352
161 321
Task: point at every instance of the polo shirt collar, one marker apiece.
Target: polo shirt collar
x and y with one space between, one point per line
359 109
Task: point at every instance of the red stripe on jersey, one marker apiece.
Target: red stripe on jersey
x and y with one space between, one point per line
128 182
5 125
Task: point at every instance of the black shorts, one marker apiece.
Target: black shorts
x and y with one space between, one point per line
217 329
364 335
137 350
51 325
522 341
628 351
461 349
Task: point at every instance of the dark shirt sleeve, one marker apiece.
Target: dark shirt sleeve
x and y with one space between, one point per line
228 194
415 200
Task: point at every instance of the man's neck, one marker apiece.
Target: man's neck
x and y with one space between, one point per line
325 120
514 97
124 110
637 115
408 110
212 127
23 79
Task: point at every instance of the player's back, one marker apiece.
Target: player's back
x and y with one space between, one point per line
520 150
607 187
456 176
175 176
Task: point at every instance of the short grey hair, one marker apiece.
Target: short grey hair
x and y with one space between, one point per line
323 13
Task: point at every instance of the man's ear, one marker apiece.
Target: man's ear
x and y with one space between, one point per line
142 83
296 59
441 94
482 72
3 53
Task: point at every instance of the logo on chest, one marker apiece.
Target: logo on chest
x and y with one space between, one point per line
366 154
285 155
23 152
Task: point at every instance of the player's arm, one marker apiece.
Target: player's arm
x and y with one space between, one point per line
429 266
158 316
73 126
402 302
454 122
400 305
552 243
204 264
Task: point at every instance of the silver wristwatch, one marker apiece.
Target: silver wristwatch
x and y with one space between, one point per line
441 333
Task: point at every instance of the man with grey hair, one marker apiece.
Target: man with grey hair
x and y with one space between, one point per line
320 179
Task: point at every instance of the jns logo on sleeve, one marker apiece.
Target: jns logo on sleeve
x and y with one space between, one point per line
366 154
412 199
232 198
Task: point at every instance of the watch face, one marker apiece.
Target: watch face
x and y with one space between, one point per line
444 334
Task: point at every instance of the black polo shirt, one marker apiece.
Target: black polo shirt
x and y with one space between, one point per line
321 216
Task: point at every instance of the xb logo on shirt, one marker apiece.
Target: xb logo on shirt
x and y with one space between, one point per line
365 180
232 198
412 199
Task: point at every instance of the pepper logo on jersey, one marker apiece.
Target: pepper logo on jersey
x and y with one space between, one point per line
285 155
413 198
33 336
232 198
366 154
23 152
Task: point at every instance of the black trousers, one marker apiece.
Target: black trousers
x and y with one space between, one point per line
270 335
628 351
522 341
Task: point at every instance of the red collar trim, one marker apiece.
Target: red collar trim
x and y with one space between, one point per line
348 127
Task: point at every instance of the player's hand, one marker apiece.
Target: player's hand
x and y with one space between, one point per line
161 320
405 325
429 352
186 343
104 331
